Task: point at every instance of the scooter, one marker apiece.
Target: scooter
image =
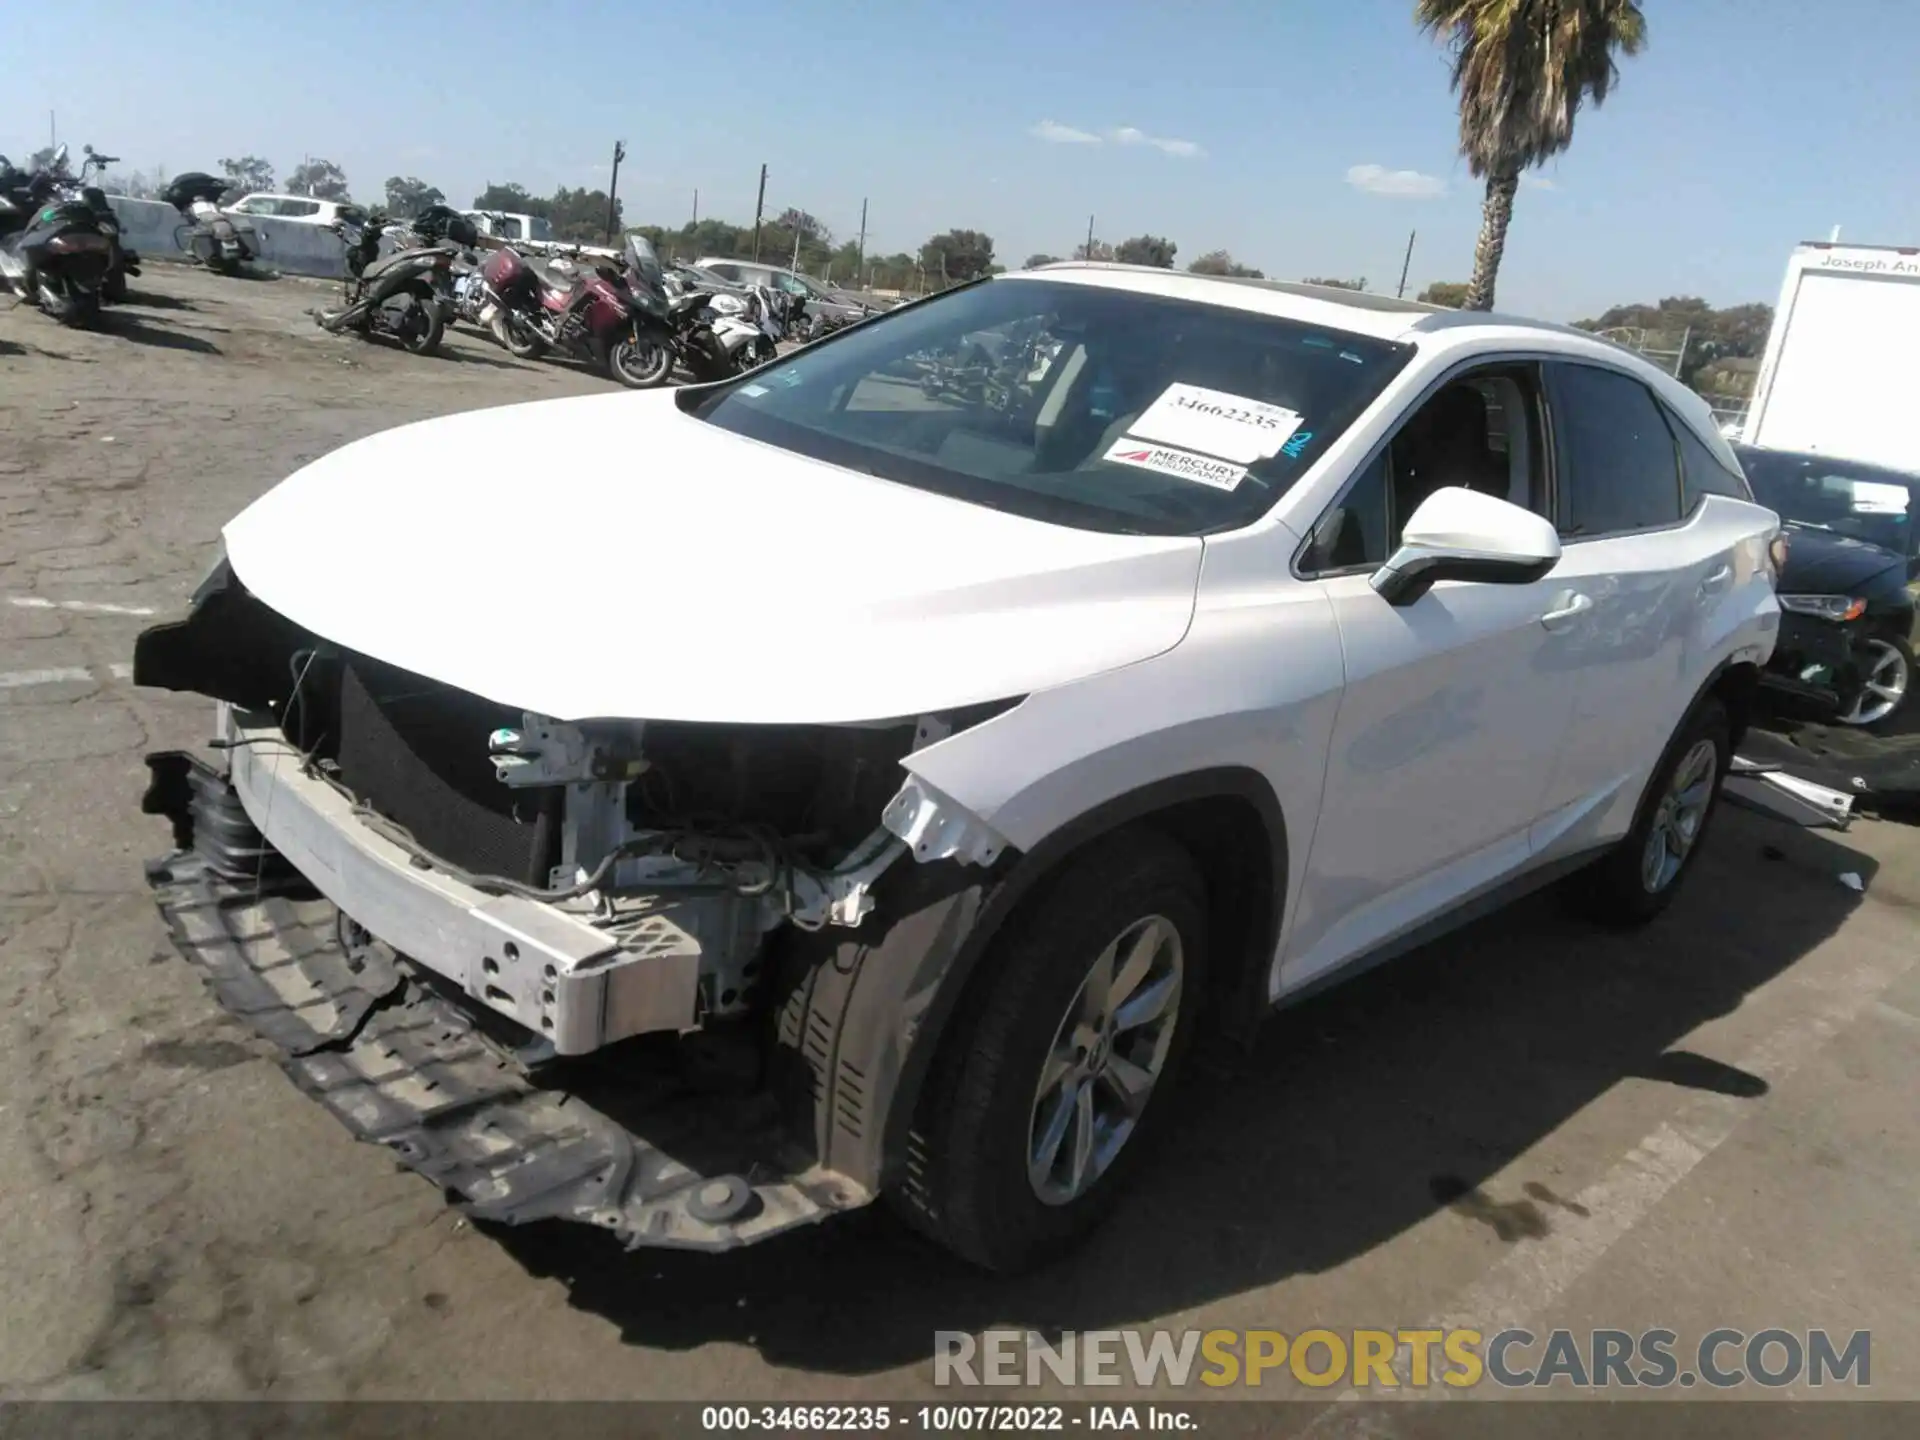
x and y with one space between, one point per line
124 262
403 296
216 240
52 250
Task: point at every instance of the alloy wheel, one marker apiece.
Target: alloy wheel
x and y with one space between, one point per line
1888 676
1108 1052
1680 815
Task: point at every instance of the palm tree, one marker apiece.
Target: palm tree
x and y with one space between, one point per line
1522 68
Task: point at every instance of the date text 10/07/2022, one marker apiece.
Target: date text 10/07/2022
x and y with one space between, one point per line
945 1419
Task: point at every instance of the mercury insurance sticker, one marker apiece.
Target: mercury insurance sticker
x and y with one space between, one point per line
1199 468
1215 422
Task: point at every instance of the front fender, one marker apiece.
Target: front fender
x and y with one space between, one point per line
861 1015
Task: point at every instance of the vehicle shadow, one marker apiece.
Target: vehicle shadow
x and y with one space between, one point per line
1362 1113
131 327
463 355
145 297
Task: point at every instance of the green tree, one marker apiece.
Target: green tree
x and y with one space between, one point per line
411 196
1689 330
1219 262
249 173
957 255
513 200
579 216
1334 284
1451 293
1035 261
1522 69
322 179
1154 250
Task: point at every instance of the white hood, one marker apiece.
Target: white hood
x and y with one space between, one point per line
610 557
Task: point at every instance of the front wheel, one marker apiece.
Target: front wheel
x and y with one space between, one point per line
1639 877
1886 662
640 360
1060 1063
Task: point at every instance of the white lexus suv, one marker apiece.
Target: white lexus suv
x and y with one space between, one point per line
868 775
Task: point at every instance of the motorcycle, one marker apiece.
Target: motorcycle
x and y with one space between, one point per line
747 328
124 262
216 240
594 314
52 250
406 295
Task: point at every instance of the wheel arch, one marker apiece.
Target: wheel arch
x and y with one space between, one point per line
860 1018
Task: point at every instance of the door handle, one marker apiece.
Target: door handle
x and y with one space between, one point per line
1717 581
1571 606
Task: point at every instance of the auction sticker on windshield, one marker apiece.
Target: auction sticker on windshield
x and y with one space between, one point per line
1199 468
1215 422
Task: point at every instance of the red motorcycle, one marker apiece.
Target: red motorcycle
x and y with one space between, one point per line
595 317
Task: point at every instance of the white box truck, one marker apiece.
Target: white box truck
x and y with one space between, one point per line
1841 372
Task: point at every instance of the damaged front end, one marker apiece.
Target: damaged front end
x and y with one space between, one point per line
532 956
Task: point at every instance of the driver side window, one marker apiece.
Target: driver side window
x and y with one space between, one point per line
1481 431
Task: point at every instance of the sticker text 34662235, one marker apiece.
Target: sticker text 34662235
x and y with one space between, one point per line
1215 422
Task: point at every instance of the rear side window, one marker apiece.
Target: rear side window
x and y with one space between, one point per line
1619 467
1702 474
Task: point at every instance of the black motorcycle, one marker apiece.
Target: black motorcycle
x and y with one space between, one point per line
53 251
407 295
125 262
217 241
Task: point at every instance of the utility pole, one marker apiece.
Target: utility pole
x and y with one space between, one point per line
759 208
860 255
696 205
53 133
613 187
1406 265
1089 250
795 267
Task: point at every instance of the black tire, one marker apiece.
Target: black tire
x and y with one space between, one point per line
1615 891
517 336
640 362
971 1191
426 339
66 302
113 289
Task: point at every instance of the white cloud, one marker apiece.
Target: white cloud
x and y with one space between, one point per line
1054 133
1535 181
1131 135
1400 184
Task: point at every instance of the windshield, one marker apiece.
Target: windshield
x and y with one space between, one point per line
1862 502
643 260
541 229
1077 404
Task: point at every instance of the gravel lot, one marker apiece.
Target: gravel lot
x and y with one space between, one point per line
1530 1123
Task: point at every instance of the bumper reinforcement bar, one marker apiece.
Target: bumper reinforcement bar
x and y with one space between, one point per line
402 1065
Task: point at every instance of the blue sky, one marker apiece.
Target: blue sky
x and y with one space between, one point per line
1746 126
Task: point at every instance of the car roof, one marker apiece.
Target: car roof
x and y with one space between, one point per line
1862 468
1385 317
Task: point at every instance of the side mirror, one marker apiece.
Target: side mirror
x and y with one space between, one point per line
86 149
1459 534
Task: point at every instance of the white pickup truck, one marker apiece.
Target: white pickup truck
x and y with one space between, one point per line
530 233
1841 366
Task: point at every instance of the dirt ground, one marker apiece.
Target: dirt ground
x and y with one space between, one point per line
1708 1124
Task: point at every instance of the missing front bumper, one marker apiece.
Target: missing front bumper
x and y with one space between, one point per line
404 1065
